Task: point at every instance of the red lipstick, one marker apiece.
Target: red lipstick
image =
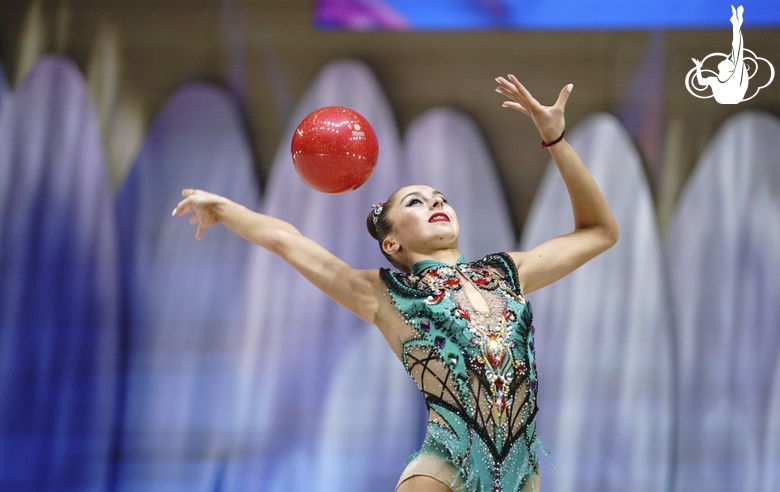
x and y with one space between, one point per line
439 217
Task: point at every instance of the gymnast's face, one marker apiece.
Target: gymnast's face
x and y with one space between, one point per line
422 220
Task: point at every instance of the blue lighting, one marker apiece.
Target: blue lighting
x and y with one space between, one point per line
439 15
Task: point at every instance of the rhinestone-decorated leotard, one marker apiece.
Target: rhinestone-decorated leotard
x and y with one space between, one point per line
476 369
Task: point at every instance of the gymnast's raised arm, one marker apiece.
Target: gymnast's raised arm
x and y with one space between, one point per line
356 290
595 228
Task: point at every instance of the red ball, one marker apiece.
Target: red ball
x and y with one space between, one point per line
334 150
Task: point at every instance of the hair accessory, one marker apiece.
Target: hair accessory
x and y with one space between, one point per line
378 207
545 144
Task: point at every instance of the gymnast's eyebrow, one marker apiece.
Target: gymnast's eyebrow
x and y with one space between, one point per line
435 192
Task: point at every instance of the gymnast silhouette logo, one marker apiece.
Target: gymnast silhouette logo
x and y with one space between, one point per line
730 84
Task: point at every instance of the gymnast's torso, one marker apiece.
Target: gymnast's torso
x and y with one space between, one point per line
465 335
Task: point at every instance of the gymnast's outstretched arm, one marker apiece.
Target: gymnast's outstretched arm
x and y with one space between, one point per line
356 290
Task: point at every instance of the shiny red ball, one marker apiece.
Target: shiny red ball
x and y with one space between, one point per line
334 150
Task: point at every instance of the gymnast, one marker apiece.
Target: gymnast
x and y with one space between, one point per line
463 330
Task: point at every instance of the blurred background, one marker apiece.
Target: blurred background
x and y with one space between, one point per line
133 357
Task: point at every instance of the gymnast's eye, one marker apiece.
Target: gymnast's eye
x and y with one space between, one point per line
412 202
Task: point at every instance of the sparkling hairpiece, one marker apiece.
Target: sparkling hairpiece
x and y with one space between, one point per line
378 207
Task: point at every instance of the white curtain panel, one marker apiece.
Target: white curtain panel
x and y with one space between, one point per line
5 91
59 302
769 470
443 148
723 252
374 418
603 332
300 343
5 169
184 298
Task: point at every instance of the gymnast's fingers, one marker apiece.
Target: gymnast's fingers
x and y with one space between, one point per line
517 106
506 92
564 96
184 207
526 98
508 89
193 219
504 83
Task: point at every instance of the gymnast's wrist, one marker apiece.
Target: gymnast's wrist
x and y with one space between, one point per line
549 143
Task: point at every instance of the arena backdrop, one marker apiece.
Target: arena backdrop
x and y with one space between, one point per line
133 357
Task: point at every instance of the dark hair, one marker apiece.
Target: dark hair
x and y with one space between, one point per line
381 228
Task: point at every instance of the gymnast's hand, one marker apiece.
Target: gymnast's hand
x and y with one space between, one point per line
548 119
207 207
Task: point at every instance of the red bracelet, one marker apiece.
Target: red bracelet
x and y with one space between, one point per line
545 144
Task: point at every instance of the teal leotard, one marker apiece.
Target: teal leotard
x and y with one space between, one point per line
476 369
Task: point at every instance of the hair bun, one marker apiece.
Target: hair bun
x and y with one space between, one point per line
371 226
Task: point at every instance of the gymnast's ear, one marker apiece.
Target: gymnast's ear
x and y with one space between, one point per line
390 246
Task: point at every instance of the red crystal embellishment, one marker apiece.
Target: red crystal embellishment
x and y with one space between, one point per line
438 298
452 282
500 404
481 281
508 315
463 313
495 352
